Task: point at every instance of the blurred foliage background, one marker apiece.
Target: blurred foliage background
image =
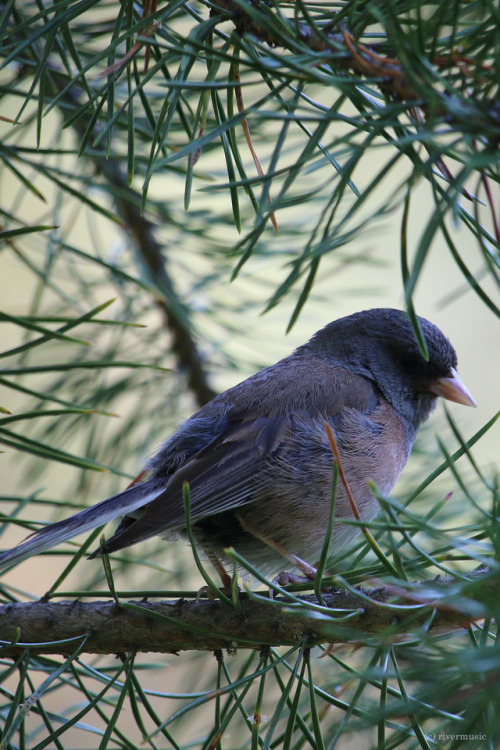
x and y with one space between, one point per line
170 171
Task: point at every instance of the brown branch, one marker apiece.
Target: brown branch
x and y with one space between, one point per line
151 254
364 60
149 251
173 626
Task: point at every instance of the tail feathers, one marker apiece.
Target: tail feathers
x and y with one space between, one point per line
118 505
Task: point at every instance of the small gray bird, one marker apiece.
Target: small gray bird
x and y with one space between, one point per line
257 457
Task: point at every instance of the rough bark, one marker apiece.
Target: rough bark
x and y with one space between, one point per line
173 626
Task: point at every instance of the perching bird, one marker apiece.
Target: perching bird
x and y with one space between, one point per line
257 457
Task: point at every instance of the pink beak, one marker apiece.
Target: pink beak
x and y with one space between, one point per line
452 388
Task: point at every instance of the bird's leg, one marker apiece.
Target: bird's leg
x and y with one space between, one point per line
283 578
219 567
222 572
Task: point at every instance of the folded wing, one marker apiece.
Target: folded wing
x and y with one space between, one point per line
228 473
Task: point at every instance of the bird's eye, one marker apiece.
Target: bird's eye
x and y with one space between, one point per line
413 362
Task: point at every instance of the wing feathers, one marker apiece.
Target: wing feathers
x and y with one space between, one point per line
228 473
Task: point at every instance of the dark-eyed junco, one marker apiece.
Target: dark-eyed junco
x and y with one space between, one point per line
257 457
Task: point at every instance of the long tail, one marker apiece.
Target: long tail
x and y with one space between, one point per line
117 505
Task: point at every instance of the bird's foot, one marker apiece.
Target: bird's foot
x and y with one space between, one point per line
209 593
284 578
309 573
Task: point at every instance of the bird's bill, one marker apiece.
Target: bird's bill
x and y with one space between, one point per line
453 388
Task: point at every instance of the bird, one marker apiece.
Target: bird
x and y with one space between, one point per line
258 460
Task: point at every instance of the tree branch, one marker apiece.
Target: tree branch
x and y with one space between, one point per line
148 249
170 627
151 254
387 72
